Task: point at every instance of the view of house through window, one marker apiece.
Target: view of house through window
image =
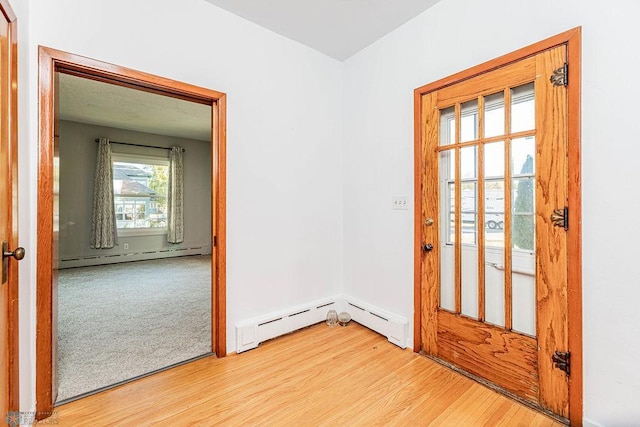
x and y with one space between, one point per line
140 192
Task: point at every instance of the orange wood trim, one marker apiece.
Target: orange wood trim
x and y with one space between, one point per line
7 11
418 221
458 215
500 61
574 242
220 175
50 61
480 209
573 39
499 138
508 249
13 377
104 71
44 269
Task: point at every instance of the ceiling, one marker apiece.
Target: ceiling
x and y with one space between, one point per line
89 101
338 28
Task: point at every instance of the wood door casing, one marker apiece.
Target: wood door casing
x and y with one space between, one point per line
426 333
9 366
52 61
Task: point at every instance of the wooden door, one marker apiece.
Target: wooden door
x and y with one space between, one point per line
493 266
8 219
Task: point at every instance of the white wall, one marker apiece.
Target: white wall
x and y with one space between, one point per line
26 203
284 161
378 163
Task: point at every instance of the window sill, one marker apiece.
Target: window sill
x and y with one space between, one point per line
133 232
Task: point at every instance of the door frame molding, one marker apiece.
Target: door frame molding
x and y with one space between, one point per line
572 39
50 61
12 351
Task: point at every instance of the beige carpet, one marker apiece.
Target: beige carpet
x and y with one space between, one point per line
119 321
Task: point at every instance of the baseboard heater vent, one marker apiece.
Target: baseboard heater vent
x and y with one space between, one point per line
394 327
252 332
87 261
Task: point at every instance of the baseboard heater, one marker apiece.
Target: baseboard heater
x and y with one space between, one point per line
250 333
90 260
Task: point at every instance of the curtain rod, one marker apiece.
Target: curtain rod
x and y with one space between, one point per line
139 145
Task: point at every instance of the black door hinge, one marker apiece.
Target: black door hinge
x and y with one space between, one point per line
560 217
561 360
560 76
215 240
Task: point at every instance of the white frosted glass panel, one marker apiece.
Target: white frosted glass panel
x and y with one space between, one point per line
494 286
494 115
494 213
470 281
447 126
469 212
524 293
447 278
469 121
523 108
523 156
447 196
494 160
469 162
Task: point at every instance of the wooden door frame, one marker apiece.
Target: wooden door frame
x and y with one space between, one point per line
13 392
51 61
572 39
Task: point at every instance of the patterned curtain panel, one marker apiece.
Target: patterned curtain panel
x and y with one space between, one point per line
175 201
103 219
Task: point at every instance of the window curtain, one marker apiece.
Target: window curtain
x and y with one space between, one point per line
175 202
103 218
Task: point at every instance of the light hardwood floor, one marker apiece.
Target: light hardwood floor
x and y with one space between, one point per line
317 376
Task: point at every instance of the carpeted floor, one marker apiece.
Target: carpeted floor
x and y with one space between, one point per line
120 321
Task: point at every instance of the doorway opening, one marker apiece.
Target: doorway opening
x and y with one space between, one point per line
497 224
148 218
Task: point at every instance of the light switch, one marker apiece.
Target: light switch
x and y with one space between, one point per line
400 203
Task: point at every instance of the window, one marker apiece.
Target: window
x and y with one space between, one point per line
140 192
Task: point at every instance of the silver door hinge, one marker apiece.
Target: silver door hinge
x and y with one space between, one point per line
560 76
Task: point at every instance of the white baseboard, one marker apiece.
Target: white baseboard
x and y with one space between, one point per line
89 260
251 332
588 423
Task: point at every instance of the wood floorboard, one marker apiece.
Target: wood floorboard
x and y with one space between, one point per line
319 376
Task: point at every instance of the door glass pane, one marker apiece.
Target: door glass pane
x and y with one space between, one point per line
469 273
447 231
523 111
469 212
494 248
494 160
523 293
494 285
469 278
494 213
469 162
523 231
469 121
523 154
451 212
447 126
494 115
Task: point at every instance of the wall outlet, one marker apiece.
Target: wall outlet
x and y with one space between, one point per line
400 203
125 246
